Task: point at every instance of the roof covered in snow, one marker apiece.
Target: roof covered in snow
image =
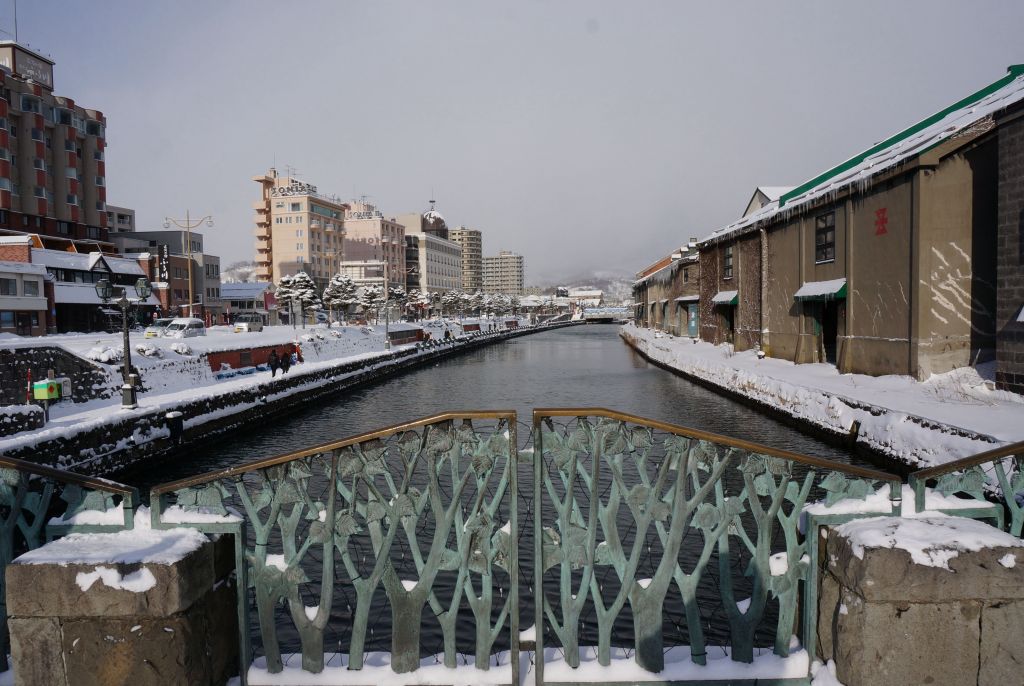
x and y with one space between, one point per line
894 150
60 259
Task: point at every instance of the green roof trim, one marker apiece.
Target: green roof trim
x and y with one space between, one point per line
1012 72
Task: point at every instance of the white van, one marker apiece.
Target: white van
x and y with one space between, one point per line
185 327
248 321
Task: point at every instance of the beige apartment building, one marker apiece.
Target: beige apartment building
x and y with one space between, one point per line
297 229
503 273
373 245
471 242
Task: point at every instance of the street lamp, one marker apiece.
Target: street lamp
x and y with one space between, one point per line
387 292
188 225
105 290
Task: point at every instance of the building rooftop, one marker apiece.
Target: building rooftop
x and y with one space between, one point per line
894 150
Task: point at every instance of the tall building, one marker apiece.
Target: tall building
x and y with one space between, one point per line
297 229
174 249
471 242
503 273
371 240
433 260
52 167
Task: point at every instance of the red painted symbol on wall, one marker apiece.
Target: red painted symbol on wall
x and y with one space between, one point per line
881 221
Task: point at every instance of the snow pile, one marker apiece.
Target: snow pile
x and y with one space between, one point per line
139 545
105 354
824 675
148 350
921 423
136 582
932 541
181 348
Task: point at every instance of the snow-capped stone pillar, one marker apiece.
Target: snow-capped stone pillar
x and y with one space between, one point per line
133 607
935 600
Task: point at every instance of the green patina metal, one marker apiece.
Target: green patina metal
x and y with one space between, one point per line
357 511
994 480
30 515
602 476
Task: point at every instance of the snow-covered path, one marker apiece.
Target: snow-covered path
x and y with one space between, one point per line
949 416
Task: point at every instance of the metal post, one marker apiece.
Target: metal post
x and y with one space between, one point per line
387 293
188 254
128 400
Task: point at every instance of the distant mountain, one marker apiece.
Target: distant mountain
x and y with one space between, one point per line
616 284
239 272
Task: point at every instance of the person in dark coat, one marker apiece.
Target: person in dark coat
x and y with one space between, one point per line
286 362
273 362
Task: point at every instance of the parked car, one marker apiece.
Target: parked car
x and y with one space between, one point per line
157 328
185 327
249 321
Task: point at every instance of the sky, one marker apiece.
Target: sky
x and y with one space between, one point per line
591 137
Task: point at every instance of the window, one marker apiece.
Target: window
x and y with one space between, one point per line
92 232
63 117
277 220
727 263
31 288
39 192
37 134
100 181
39 163
101 206
72 199
93 128
686 275
71 173
13 131
6 320
69 145
295 207
298 220
97 155
5 184
825 238
8 286
29 104
63 227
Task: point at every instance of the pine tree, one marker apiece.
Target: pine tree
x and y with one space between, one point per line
306 298
284 292
341 293
371 298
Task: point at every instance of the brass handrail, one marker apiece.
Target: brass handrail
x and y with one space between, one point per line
95 483
970 461
542 413
263 463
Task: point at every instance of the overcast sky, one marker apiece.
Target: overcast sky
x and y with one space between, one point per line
588 136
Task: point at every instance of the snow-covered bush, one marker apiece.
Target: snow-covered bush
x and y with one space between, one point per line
149 350
105 354
181 348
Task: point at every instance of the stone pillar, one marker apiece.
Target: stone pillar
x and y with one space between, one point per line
181 629
886 620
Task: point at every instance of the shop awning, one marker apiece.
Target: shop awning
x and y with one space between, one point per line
726 298
822 290
663 302
687 298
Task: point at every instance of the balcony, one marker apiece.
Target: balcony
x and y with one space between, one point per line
261 206
261 219
262 246
262 232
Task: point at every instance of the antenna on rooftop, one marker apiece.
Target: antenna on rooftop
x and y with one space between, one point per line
15 21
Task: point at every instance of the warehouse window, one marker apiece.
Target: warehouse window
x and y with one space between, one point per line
727 263
825 238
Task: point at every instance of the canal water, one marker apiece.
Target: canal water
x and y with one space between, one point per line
581 366
585 366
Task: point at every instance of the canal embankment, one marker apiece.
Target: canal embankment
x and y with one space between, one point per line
914 423
109 438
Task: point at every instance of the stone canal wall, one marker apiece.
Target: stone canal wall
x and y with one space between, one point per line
125 438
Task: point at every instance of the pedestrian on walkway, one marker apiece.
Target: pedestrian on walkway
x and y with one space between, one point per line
273 362
286 362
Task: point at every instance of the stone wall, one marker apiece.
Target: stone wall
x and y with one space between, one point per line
1010 257
88 380
182 630
15 418
886 620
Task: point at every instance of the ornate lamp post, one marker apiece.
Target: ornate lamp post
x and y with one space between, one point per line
105 290
188 224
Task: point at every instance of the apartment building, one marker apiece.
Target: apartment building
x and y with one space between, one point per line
52 166
373 245
192 275
297 229
471 242
120 219
438 263
503 273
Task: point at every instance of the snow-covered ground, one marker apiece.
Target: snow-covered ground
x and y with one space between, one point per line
947 417
176 371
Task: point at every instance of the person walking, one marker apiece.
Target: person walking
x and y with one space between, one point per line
286 362
273 362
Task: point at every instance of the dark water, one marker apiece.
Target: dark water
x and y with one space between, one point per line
584 366
574 367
